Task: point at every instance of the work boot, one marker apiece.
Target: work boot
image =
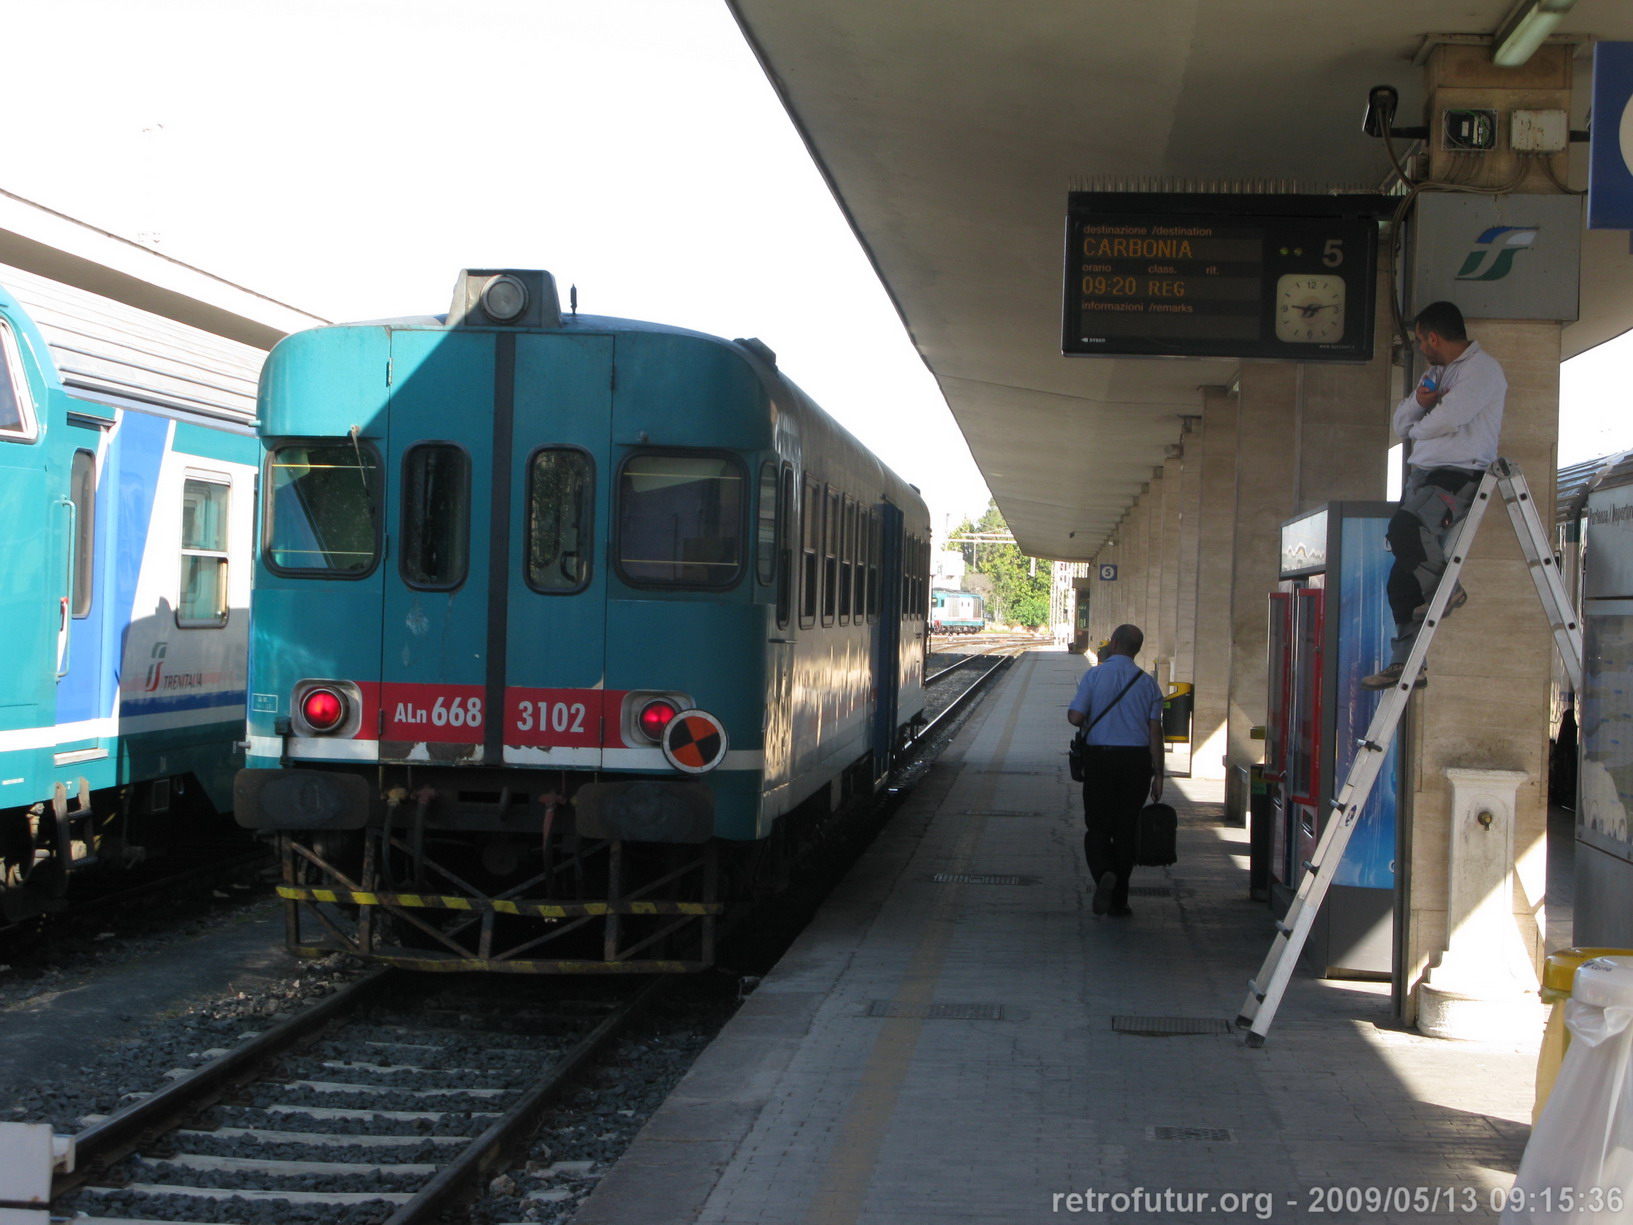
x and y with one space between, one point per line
1390 676
1459 598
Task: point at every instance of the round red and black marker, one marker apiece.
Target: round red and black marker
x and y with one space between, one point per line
694 741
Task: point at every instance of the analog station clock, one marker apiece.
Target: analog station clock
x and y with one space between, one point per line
1310 307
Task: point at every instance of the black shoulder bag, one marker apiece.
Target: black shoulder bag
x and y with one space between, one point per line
1077 749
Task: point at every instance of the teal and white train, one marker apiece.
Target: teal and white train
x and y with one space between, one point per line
127 471
567 629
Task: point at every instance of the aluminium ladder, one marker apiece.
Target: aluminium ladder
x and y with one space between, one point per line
1266 988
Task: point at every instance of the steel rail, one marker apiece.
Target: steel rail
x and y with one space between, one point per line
521 1119
101 1144
963 699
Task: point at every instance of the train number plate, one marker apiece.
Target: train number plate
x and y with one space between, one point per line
557 718
445 713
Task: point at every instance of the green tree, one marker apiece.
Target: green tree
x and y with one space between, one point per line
1020 584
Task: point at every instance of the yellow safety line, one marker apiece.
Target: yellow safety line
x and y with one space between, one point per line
540 910
865 1125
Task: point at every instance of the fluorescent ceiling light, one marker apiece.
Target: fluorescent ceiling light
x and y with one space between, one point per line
1525 29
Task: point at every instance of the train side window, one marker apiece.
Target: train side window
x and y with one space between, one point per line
322 510
680 520
765 536
810 529
830 552
436 516
82 493
17 422
847 560
560 513
203 600
785 547
875 548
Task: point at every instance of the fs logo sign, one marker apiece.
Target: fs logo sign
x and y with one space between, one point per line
1494 252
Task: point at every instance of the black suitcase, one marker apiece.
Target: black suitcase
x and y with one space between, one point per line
1156 844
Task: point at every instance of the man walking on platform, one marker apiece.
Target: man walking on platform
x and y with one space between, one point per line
1118 709
1452 418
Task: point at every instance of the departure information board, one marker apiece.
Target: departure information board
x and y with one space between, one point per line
1183 276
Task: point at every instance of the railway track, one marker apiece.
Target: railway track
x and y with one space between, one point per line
364 1108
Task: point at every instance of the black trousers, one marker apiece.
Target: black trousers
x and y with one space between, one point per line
1116 782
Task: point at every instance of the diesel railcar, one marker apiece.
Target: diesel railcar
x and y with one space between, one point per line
566 630
127 469
957 612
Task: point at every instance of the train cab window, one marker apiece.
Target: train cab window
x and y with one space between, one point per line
82 493
810 532
830 553
560 510
203 600
765 535
436 516
322 509
847 560
17 423
680 520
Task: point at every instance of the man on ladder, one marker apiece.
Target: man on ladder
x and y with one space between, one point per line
1452 418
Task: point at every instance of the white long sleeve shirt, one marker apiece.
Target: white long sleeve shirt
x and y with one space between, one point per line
1462 430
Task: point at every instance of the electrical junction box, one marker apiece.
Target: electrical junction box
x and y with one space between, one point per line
1538 131
1467 130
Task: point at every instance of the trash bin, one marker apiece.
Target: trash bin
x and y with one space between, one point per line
1558 972
1260 815
1176 712
1578 1164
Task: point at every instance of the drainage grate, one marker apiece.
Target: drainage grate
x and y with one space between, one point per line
1002 812
938 1012
978 878
1191 1133
1169 1027
1150 891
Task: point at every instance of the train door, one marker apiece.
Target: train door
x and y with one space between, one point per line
780 523
887 667
557 709
434 700
86 536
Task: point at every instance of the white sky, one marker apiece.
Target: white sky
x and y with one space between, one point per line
350 156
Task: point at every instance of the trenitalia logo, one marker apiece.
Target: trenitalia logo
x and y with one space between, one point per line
1494 252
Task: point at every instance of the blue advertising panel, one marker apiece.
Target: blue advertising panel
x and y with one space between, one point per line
1610 150
1364 630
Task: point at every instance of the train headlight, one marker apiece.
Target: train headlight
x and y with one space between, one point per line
654 717
323 709
504 298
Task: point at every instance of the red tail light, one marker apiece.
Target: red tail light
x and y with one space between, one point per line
655 716
323 709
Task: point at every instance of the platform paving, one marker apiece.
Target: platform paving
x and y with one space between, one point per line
943 1050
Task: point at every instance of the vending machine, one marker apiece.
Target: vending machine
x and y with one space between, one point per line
1329 627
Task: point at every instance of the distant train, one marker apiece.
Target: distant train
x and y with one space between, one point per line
127 470
567 630
957 612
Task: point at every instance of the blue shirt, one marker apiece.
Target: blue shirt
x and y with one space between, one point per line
1127 724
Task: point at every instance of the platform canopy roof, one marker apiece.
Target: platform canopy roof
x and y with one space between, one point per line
951 132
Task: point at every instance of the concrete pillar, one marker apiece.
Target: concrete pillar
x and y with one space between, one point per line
1188 515
1487 705
1265 485
1215 533
1167 619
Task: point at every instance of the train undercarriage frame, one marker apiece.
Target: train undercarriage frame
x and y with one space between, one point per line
541 925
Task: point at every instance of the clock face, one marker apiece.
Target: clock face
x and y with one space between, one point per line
1310 308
